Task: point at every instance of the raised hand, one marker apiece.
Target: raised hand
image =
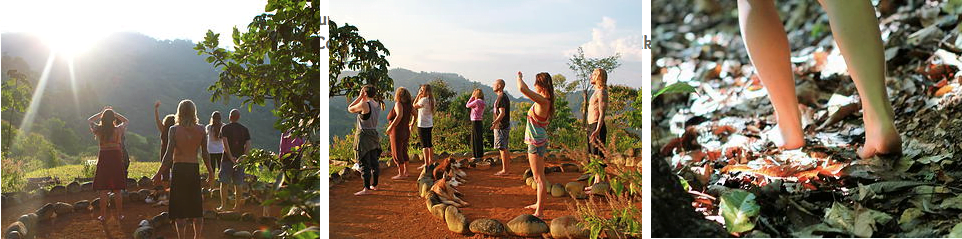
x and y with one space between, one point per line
157 104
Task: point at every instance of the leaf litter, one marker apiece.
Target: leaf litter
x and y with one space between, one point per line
720 137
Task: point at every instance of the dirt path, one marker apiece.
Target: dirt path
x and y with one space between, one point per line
85 224
396 211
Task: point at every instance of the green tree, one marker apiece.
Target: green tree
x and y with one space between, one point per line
442 94
277 59
15 92
583 67
349 50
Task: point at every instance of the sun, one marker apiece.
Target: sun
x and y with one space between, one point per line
70 30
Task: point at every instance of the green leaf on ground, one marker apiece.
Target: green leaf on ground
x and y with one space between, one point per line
950 203
738 207
956 231
860 222
907 221
677 87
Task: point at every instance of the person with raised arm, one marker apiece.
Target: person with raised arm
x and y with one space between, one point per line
110 175
163 127
535 133
367 144
476 104
187 140
424 119
398 131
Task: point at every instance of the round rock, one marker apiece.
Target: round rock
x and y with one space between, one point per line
529 181
567 227
131 183
247 217
81 205
17 228
63 208
600 188
45 212
261 234
243 234
438 210
229 232
88 186
557 190
576 190
488 227
527 225
73 187
145 182
144 233
456 221
570 167
58 190
229 215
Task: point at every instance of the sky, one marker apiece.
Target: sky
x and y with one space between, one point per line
88 20
487 40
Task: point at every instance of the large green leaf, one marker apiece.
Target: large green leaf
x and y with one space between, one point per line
738 207
956 231
860 222
677 87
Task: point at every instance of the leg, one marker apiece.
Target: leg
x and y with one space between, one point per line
767 45
428 155
103 205
119 199
223 196
376 170
855 29
537 169
177 224
366 173
238 196
198 227
504 161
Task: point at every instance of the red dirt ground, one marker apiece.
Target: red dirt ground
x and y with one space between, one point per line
396 211
85 224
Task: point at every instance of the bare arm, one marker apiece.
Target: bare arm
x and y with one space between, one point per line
226 147
357 106
123 120
602 107
534 96
206 155
168 159
160 125
397 117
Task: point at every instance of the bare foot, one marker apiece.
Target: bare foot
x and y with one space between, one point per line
101 218
422 166
362 192
374 188
778 136
502 172
532 206
398 177
537 213
221 208
883 141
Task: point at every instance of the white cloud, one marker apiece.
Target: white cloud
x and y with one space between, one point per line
607 39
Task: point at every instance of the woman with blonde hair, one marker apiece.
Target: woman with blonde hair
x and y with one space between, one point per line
110 174
476 104
424 104
398 130
535 133
187 139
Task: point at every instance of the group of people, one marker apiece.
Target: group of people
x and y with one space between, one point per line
183 138
408 113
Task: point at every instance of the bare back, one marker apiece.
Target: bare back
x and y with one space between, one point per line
186 143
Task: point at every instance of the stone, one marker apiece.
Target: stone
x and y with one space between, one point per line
552 169
58 190
527 225
600 188
570 167
95 203
136 197
243 234
229 232
131 183
527 174
557 190
81 205
262 234
229 215
73 187
456 221
63 208
144 233
335 179
145 182
247 217
161 219
488 227
438 210
529 181
423 189
584 177
86 187
45 212
29 220
432 200
567 227
576 190
16 230
210 214
347 173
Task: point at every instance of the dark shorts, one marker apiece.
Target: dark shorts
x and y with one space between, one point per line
230 174
601 136
501 138
539 150
425 135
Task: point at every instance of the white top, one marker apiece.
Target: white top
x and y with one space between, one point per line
214 145
425 118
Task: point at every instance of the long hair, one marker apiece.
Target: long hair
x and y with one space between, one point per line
371 92
186 113
543 80
426 90
602 76
477 93
169 121
402 95
215 124
105 131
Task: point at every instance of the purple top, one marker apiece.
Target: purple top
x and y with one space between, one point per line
288 142
477 109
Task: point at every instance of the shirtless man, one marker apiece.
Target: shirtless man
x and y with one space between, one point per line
597 107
